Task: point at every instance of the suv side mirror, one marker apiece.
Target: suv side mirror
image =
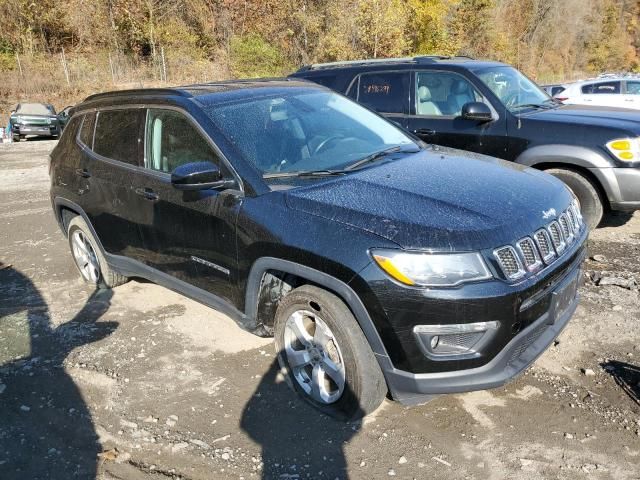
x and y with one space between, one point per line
477 111
199 176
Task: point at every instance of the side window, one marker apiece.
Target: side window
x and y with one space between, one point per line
173 141
386 92
86 131
602 88
117 135
443 93
633 88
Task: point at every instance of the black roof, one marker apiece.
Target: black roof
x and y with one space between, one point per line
197 90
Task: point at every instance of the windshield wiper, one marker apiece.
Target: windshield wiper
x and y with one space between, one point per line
304 173
373 157
532 105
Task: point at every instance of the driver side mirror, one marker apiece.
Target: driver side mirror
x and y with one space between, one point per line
477 111
199 176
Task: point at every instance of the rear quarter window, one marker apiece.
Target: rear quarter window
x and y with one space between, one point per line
118 135
384 92
86 131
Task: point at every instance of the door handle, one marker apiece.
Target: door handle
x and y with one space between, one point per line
148 194
83 172
424 131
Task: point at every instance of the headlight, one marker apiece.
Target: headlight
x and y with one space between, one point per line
432 269
625 149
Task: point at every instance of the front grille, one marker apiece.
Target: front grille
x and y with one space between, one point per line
532 253
509 262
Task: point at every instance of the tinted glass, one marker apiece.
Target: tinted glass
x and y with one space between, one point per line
173 141
556 90
118 135
385 92
633 88
602 88
86 132
304 130
443 93
513 89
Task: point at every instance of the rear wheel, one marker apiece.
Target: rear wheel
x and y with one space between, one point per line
587 193
88 257
325 355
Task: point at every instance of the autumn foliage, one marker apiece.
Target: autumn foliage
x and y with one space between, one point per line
110 43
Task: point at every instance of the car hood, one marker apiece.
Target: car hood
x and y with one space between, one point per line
445 200
590 115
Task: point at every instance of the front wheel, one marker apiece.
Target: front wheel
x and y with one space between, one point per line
587 193
325 355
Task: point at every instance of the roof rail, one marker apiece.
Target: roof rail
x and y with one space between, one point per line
138 91
374 61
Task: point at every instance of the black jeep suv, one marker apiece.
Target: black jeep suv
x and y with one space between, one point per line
492 108
379 263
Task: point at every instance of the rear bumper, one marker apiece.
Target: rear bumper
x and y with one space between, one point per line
622 186
410 388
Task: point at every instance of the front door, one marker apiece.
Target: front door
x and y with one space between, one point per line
438 98
189 235
632 94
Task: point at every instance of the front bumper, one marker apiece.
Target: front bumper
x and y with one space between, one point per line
622 186
516 356
36 130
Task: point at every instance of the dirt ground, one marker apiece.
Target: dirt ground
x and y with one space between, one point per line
142 383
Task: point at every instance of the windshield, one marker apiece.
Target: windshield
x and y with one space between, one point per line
513 89
303 131
35 109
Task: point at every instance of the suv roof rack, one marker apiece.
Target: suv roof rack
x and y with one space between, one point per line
372 61
138 91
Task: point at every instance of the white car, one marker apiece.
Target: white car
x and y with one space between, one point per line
603 92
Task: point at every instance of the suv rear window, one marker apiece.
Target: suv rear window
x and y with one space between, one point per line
384 92
118 135
86 132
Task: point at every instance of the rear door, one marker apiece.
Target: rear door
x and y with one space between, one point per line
189 235
632 94
437 101
384 92
107 168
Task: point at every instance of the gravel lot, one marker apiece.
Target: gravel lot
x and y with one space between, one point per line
142 383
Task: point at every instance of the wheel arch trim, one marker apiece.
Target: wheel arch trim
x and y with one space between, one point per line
344 291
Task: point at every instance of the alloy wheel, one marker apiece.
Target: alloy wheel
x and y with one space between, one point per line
314 357
85 257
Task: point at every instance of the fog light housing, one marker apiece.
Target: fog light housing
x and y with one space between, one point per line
454 342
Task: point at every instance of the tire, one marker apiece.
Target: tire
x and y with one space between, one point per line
16 138
93 267
590 201
342 349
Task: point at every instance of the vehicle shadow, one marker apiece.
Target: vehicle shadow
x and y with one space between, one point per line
46 430
615 219
297 440
627 377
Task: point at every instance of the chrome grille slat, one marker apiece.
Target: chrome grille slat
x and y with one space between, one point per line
509 262
567 228
557 237
529 252
543 241
543 247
